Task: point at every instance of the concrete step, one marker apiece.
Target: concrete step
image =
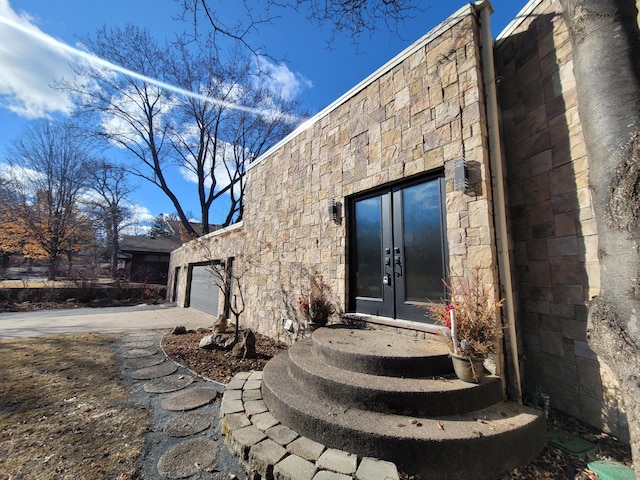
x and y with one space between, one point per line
407 396
475 445
381 353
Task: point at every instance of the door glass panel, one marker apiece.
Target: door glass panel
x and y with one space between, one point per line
422 231
368 243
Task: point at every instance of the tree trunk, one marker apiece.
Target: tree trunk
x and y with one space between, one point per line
115 245
606 55
52 269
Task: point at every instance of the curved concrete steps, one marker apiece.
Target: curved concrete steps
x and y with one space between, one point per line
408 396
351 410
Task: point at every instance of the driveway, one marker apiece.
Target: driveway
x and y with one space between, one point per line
100 320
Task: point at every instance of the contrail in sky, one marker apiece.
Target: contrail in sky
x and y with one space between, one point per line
48 40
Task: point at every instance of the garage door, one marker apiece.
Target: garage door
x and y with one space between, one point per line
204 290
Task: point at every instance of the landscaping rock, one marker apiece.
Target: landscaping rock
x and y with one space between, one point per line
218 341
246 346
179 331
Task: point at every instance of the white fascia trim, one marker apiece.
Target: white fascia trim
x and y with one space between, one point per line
519 18
455 18
215 233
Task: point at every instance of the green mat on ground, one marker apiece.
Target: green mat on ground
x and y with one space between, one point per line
607 470
567 442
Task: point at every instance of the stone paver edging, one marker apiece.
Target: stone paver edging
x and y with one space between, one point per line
272 450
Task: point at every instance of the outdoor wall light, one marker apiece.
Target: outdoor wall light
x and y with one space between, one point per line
460 175
334 210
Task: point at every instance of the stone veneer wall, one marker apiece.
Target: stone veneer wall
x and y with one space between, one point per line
553 224
415 115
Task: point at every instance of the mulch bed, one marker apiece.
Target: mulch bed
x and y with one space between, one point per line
216 364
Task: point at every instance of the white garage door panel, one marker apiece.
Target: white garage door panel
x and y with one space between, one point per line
204 290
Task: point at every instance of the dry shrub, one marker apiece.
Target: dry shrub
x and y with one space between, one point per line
315 303
476 315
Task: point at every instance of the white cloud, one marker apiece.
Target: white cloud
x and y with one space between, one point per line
224 157
30 67
141 214
141 220
23 179
279 80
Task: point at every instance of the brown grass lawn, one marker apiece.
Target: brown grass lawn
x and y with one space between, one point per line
65 413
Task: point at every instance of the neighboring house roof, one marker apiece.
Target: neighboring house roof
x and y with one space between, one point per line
131 243
158 244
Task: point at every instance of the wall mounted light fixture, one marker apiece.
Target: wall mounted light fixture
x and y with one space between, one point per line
460 174
334 210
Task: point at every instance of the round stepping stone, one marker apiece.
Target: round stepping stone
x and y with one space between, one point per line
140 352
147 338
187 424
142 344
161 370
142 334
170 383
188 458
142 362
189 399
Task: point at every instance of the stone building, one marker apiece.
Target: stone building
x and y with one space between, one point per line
461 151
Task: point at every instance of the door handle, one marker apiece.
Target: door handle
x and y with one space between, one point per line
398 263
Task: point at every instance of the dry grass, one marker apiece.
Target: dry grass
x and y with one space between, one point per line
65 413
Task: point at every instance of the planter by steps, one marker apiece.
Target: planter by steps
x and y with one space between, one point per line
468 369
433 425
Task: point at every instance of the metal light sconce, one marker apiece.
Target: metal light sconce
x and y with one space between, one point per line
334 209
460 174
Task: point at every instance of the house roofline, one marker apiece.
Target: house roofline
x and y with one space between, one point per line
522 15
215 233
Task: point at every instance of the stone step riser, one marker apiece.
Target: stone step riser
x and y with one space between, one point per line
374 393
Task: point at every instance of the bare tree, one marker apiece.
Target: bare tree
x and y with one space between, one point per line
351 18
131 114
47 171
170 133
606 61
110 187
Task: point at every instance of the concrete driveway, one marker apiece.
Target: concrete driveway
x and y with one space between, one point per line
100 320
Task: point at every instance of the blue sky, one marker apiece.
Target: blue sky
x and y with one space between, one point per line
316 73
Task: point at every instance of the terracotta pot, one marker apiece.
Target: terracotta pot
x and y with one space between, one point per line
468 369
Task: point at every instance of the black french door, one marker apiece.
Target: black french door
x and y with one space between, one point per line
397 250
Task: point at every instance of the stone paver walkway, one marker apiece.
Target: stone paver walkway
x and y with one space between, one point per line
190 423
185 440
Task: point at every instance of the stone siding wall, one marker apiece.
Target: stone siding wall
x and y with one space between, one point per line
413 118
553 225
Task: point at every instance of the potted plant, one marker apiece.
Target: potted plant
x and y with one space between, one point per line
471 324
315 305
